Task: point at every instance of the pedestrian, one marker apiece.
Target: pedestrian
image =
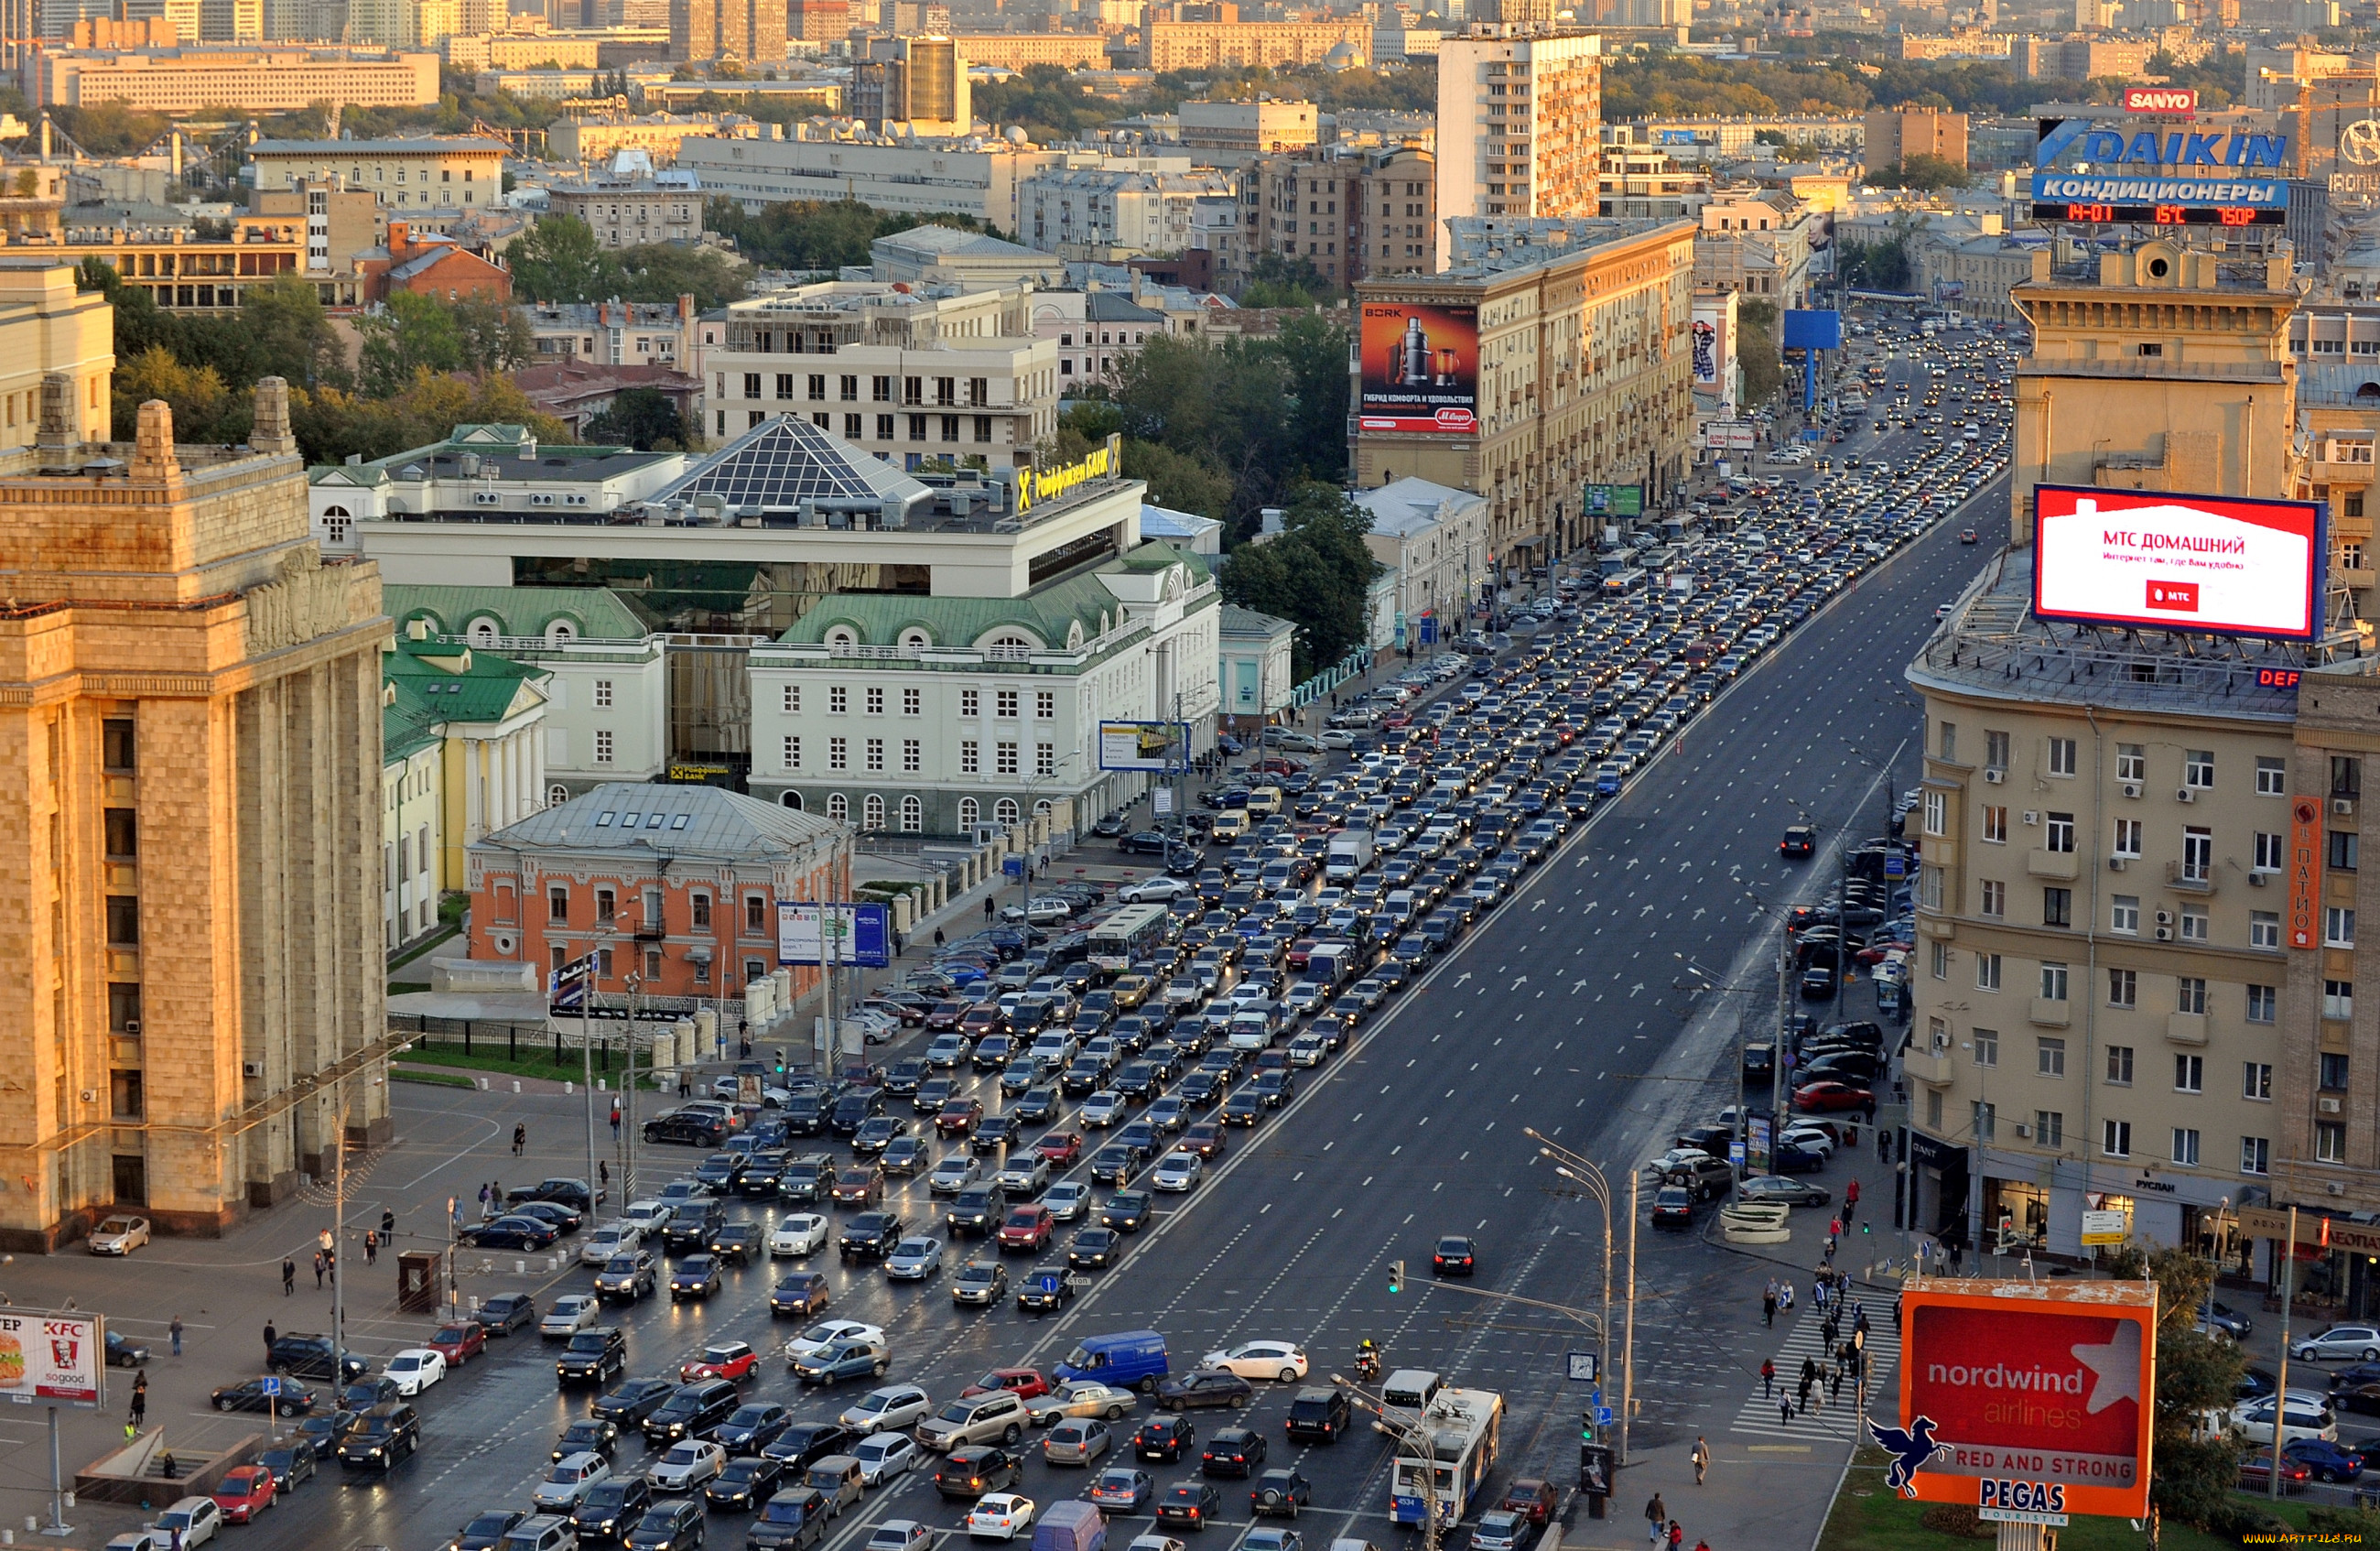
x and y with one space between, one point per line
685 1084
1677 1536
1834 1228
288 1279
1657 1514
1767 1379
175 1329
938 936
1850 1195
602 1169
371 1248
270 1336
139 1394
616 1119
520 1133
1884 1146
1784 1408
1702 1459
387 1224
1819 1295
130 1428
1850 1209
483 1195
318 1270
1769 1304
1785 1294
744 1047
330 1263
987 907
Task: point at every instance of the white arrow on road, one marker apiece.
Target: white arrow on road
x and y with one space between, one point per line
1520 982
1459 979
1576 986
1636 988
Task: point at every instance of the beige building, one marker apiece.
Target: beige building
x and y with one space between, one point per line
1757 242
193 832
1585 373
1894 134
1100 216
590 140
1975 276
1216 45
1520 122
1350 215
1241 130
432 172
47 328
268 79
630 211
750 30
1018 51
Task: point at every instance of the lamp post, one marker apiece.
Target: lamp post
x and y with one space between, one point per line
1414 1433
1590 1178
1743 1120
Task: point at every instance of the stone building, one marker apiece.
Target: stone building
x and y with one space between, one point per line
182 679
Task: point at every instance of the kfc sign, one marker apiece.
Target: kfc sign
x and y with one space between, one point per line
2161 99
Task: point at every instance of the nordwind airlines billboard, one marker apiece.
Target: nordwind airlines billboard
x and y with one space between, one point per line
2157 559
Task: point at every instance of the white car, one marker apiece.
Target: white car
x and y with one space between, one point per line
569 1480
195 1518
416 1369
1179 1170
612 1239
1067 1200
892 1407
829 1332
1026 1178
914 1260
119 1236
798 1235
1153 891
999 1516
1260 1359
2310 1416
1811 1139
953 1174
569 1315
1081 1397
886 1456
688 1464
650 1216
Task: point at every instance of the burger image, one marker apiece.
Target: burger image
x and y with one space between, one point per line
12 1362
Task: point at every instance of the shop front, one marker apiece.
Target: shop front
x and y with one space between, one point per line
2336 1273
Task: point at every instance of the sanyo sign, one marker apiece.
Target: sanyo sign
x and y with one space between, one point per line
2148 148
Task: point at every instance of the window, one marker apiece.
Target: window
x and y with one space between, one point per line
1995 825
1987 1122
1995 902
124 1097
2189 1074
2197 854
1933 1109
557 905
2256 1154
1988 1048
1929 886
2062 756
2337 928
2263 928
2057 907
875 701
116 745
2272 777
1949 741
2329 1141
793 699
2338 999
602 694
2123 988
602 745
2263 1003
792 752
970 815
1005 810
755 914
838 753
2185 1146
2053 982
2049 1128
699 908
123 1010
2124 914
2116 1138
912 755
121 829
2346 775
1006 703
2132 762
2190 994
1996 750
1936 806
1004 758
2049 1056
1045 759
913 703
872 812
2119 1065
2343 850
123 921
2128 837
912 815
838 701
875 754
2268 851
606 906
2198 769
970 702
2060 835
971 757
1987 971
2256 1081
1045 705
2334 1073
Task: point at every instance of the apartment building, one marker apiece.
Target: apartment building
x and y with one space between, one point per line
1217 45
615 333
919 82
912 375
1239 130
630 211
431 172
1894 134
269 79
1096 214
752 32
1520 118
1757 242
1349 214
1585 372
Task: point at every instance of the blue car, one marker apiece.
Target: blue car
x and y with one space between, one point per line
2327 1460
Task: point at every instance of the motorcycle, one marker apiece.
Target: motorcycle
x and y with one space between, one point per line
1367 1365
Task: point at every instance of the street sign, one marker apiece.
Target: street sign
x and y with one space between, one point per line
1603 1416
2104 1228
1078 1279
1582 1367
1051 1283
1162 801
1895 866
1735 1153
270 1384
1012 866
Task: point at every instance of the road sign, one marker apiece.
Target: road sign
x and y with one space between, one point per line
1895 866
1012 866
1078 1279
1162 801
270 1384
2106 1227
1582 1367
1603 1416
1051 1283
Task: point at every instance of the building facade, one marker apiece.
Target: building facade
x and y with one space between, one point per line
1520 124
752 32
184 80
1347 215
1894 134
1215 45
630 211
1433 539
1093 213
1756 242
1237 131
433 172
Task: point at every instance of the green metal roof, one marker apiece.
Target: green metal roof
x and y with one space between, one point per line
498 439
1049 614
592 613
435 682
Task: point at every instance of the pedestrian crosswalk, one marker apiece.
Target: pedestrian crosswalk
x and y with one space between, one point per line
1835 1417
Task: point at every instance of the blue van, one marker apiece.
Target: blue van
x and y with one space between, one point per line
1131 1359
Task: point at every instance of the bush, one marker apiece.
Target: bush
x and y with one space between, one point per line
2237 1518
1958 1518
2352 1526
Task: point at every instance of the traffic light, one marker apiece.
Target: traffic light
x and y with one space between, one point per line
1396 1275
1586 1426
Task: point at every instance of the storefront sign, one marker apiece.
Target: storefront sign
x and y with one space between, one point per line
2305 869
2314 1230
1047 484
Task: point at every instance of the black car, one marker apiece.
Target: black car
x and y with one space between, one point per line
690 1227
510 1312
804 1444
744 1484
593 1356
571 1193
1673 1206
1280 1493
1453 1256
1167 1437
794 1520
737 1242
1203 1388
870 1235
589 1435
629 1404
324 1434
1126 1211
1095 1248
289 1400
309 1357
669 1526
971 1472
695 1411
753 1427
1319 1413
1191 1504
1046 1290
1233 1451
691 1127
486 1531
292 1467
611 1507
511 1233
387 1437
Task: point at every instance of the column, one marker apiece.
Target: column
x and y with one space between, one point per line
536 770
474 781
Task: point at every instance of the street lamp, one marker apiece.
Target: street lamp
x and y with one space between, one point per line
1590 1178
1742 1119
1416 1435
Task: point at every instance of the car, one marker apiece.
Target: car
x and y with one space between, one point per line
1830 1096
1179 1170
1026 1384
2338 1343
1081 1397
1280 1493
1126 1212
845 1360
691 1411
191 1522
633 1402
999 1516
980 1283
890 1407
869 1236
1533 1499
800 1292
292 1467
979 1467
900 1535
485 1532
1204 1388
805 1444
322 1436
2325 1460
568 1480
751 1428
1191 1504
1164 1437
1502 1530
914 1260
1800 840
120 1233
290 1400
695 1276
416 1369
953 1174
589 1435
1060 1149
506 1312
125 1352
1454 1255
628 1278
510 1233
459 1342
722 1360
1969 535
1068 1200
669 1527
686 1465
797 1234
827 1333
1154 891
1260 1359
884 1456
1781 1188
570 1315
244 1491
1673 1206
1234 1452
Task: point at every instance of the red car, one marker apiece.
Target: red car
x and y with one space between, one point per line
945 1017
1301 953
1832 1095
1061 1147
722 1360
245 1492
460 1343
1025 1383
1029 1228
958 1117
1533 1500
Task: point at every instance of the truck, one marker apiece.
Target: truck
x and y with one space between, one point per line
1071 1526
1333 963
1351 852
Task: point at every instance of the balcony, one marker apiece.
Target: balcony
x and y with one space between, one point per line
2185 1028
1928 1067
2183 878
2064 865
2050 1014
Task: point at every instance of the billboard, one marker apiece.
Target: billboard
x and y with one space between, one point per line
2180 100
860 935
2161 560
1161 747
1808 328
51 1356
2027 1401
1419 369
1732 435
1614 500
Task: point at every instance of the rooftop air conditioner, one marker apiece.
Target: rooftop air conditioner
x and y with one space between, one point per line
1994 778
2031 818
2116 864
2343 806
2164 933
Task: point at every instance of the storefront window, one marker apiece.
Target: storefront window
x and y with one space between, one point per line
2016 1216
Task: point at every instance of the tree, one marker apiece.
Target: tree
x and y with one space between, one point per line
815 234
642 418
204 409
288 334
1317 574
2196 1373
1755 349
409 335
557 260
1875 266
332 423
664 271
1931 174
494 337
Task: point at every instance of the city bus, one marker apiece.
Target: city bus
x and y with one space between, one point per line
1465 1428
1133 932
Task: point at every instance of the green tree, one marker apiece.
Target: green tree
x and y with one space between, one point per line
1275 281
411 335
2196 1373
558 261
815 234
665 271
140 322
1317 574
1755 350
493 337
1931 174
287 334
204 409
641 418
332 423
1875 266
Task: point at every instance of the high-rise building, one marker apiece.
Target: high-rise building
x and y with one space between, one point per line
818 21
1519 121
1349 217
1894 134
749 31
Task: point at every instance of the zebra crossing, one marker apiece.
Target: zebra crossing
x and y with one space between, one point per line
1838 1420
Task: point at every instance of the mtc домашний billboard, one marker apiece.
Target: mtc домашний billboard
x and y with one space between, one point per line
1420 369
2171 561
2026 1401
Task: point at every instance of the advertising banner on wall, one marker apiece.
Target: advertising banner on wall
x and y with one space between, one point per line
2164 560
1420 369
2029 1403
1159 748
844 935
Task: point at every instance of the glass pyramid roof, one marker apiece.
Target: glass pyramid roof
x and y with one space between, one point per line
783 464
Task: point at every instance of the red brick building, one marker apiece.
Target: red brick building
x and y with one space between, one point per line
676 884
429 265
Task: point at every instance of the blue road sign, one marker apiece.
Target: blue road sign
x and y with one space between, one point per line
270 1384
1603 1416
1050 1284
1895 866
1013 866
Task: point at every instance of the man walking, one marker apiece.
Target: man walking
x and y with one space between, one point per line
1769 1304
520 1137
176 1331
318 1270
270 1336
1656 1517
140 1402
1767 1379
289 1277
1702 1459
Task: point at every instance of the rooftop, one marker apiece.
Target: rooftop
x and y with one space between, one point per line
675 821
1408 505
400 146
495 451
554 613
787 465
1485 245
1075 612
429 682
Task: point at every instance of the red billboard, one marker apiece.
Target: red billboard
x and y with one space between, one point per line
1419 369
2162 560
2176 100
2027 1401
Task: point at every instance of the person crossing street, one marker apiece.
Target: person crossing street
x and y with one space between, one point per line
1702 1459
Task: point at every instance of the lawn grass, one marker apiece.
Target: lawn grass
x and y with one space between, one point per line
1884 1521
436 1079
535 1060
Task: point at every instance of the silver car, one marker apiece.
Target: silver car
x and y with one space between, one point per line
914 1260
1076 1441
894 1406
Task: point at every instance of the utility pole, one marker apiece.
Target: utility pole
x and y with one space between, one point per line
2281 1383
1416 1436
1628 1348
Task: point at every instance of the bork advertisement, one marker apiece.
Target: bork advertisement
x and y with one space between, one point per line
2028 1401
2170 561
1420 369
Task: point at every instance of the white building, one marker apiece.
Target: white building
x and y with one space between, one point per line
1435 541
1102 213
1097 332
1519 126
483 469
